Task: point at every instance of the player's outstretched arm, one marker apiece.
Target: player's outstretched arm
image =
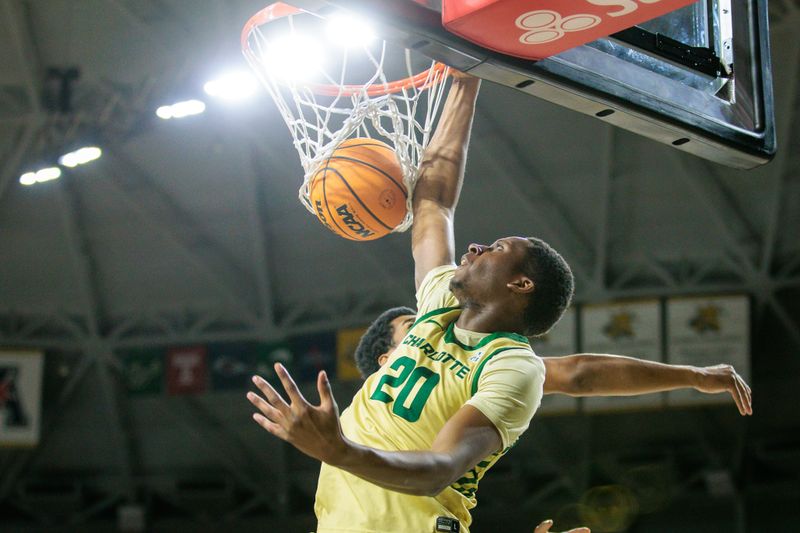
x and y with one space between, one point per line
615 375
440 177
465 439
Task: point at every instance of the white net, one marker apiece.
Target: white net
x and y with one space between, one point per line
351 96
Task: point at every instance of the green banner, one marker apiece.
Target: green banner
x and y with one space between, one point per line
269 354
144 370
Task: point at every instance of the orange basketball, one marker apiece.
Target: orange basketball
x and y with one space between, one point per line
358 193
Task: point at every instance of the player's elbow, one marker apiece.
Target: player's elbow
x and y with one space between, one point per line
581 380
571 375
441 476
434 491
436 487
431 485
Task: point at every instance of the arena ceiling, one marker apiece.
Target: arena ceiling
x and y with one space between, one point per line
190 230
192 226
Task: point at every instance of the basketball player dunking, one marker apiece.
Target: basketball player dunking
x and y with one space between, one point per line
460 388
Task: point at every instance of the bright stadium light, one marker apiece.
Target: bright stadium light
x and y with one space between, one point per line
188 108
350 31
294 58
233 86
181 109
80 157
48 174
40 176
164 112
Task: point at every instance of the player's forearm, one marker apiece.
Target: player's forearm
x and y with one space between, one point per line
442 167
423 473
615 375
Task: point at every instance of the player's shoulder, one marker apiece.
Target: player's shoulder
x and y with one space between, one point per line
434 291
437 275
519 357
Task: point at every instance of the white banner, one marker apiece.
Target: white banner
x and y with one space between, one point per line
623 328
20 397
561 340
706 331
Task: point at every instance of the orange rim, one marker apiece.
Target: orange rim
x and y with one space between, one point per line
279 10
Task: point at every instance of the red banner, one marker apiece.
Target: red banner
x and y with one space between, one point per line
536 30
187 370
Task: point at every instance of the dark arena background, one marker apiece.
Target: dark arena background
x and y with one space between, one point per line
147 275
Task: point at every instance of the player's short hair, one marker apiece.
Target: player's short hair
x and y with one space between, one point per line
377 340
554 285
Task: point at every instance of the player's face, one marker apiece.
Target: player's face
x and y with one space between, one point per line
485 271
400 327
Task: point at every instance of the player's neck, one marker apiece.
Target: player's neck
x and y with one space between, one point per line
489 318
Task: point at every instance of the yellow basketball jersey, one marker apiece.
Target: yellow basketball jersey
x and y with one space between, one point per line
429 377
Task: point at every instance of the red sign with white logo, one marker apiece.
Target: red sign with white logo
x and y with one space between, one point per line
187 370
536 30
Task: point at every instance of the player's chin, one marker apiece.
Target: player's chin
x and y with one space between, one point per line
456 283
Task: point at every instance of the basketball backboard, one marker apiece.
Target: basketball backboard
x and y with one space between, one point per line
697 78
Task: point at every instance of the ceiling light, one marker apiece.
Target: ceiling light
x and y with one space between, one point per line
80 157
294 58
232 86
165 112
48 174
181 109
350 31
40 176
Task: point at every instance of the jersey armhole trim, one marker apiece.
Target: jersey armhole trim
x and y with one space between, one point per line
479 370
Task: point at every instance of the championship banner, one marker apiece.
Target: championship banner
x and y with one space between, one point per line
346 343
708 331
623 328
143 370
561 340
314 353
269 354
232 364
20 397
187 370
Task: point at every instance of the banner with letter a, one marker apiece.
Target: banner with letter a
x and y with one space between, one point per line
623 328
707 331
20 397
561 340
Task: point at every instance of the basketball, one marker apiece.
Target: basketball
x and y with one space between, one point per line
359 193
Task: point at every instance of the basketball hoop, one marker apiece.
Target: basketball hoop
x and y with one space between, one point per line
352 97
